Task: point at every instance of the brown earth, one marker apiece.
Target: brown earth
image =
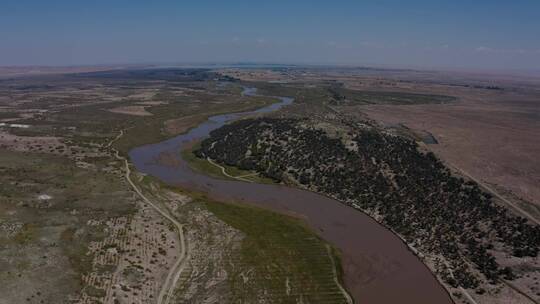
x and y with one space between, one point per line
493 137
183 124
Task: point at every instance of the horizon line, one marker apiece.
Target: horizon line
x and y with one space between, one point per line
246 64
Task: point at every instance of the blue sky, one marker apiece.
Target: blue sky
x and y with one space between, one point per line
474 34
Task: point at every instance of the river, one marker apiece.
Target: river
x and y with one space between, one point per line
378 267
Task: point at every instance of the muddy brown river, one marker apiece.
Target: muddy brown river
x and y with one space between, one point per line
378 267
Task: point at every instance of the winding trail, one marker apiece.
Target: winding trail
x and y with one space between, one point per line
511 205
224 172
463 290
167 290
510 285
494 193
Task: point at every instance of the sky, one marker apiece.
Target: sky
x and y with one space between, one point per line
472 34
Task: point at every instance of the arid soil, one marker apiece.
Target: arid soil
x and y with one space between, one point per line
493 137
73 228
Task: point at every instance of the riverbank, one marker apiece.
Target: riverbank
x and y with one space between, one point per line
374 262
210 168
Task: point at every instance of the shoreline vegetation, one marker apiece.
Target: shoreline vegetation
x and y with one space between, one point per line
282 249
282 149
277 253
206 166
143 134
222 171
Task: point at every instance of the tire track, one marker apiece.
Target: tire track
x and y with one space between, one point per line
167 289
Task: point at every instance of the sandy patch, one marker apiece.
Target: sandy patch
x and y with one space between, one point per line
49 145
26 143
144 95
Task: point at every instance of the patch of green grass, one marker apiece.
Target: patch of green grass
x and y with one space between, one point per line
338 95
95 292
94 123
280 258
204 166
76 251
8 115
201 165
26 235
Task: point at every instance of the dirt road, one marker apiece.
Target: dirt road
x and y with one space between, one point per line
494 193
224 172
168 287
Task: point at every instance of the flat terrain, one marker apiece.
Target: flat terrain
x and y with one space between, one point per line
20 71
79 225
492 137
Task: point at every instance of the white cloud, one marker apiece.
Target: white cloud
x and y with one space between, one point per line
484 49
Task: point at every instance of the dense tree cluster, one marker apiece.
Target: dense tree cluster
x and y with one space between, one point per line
168 74
386 176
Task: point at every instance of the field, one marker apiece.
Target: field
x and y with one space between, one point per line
72 229
279 256
52 211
